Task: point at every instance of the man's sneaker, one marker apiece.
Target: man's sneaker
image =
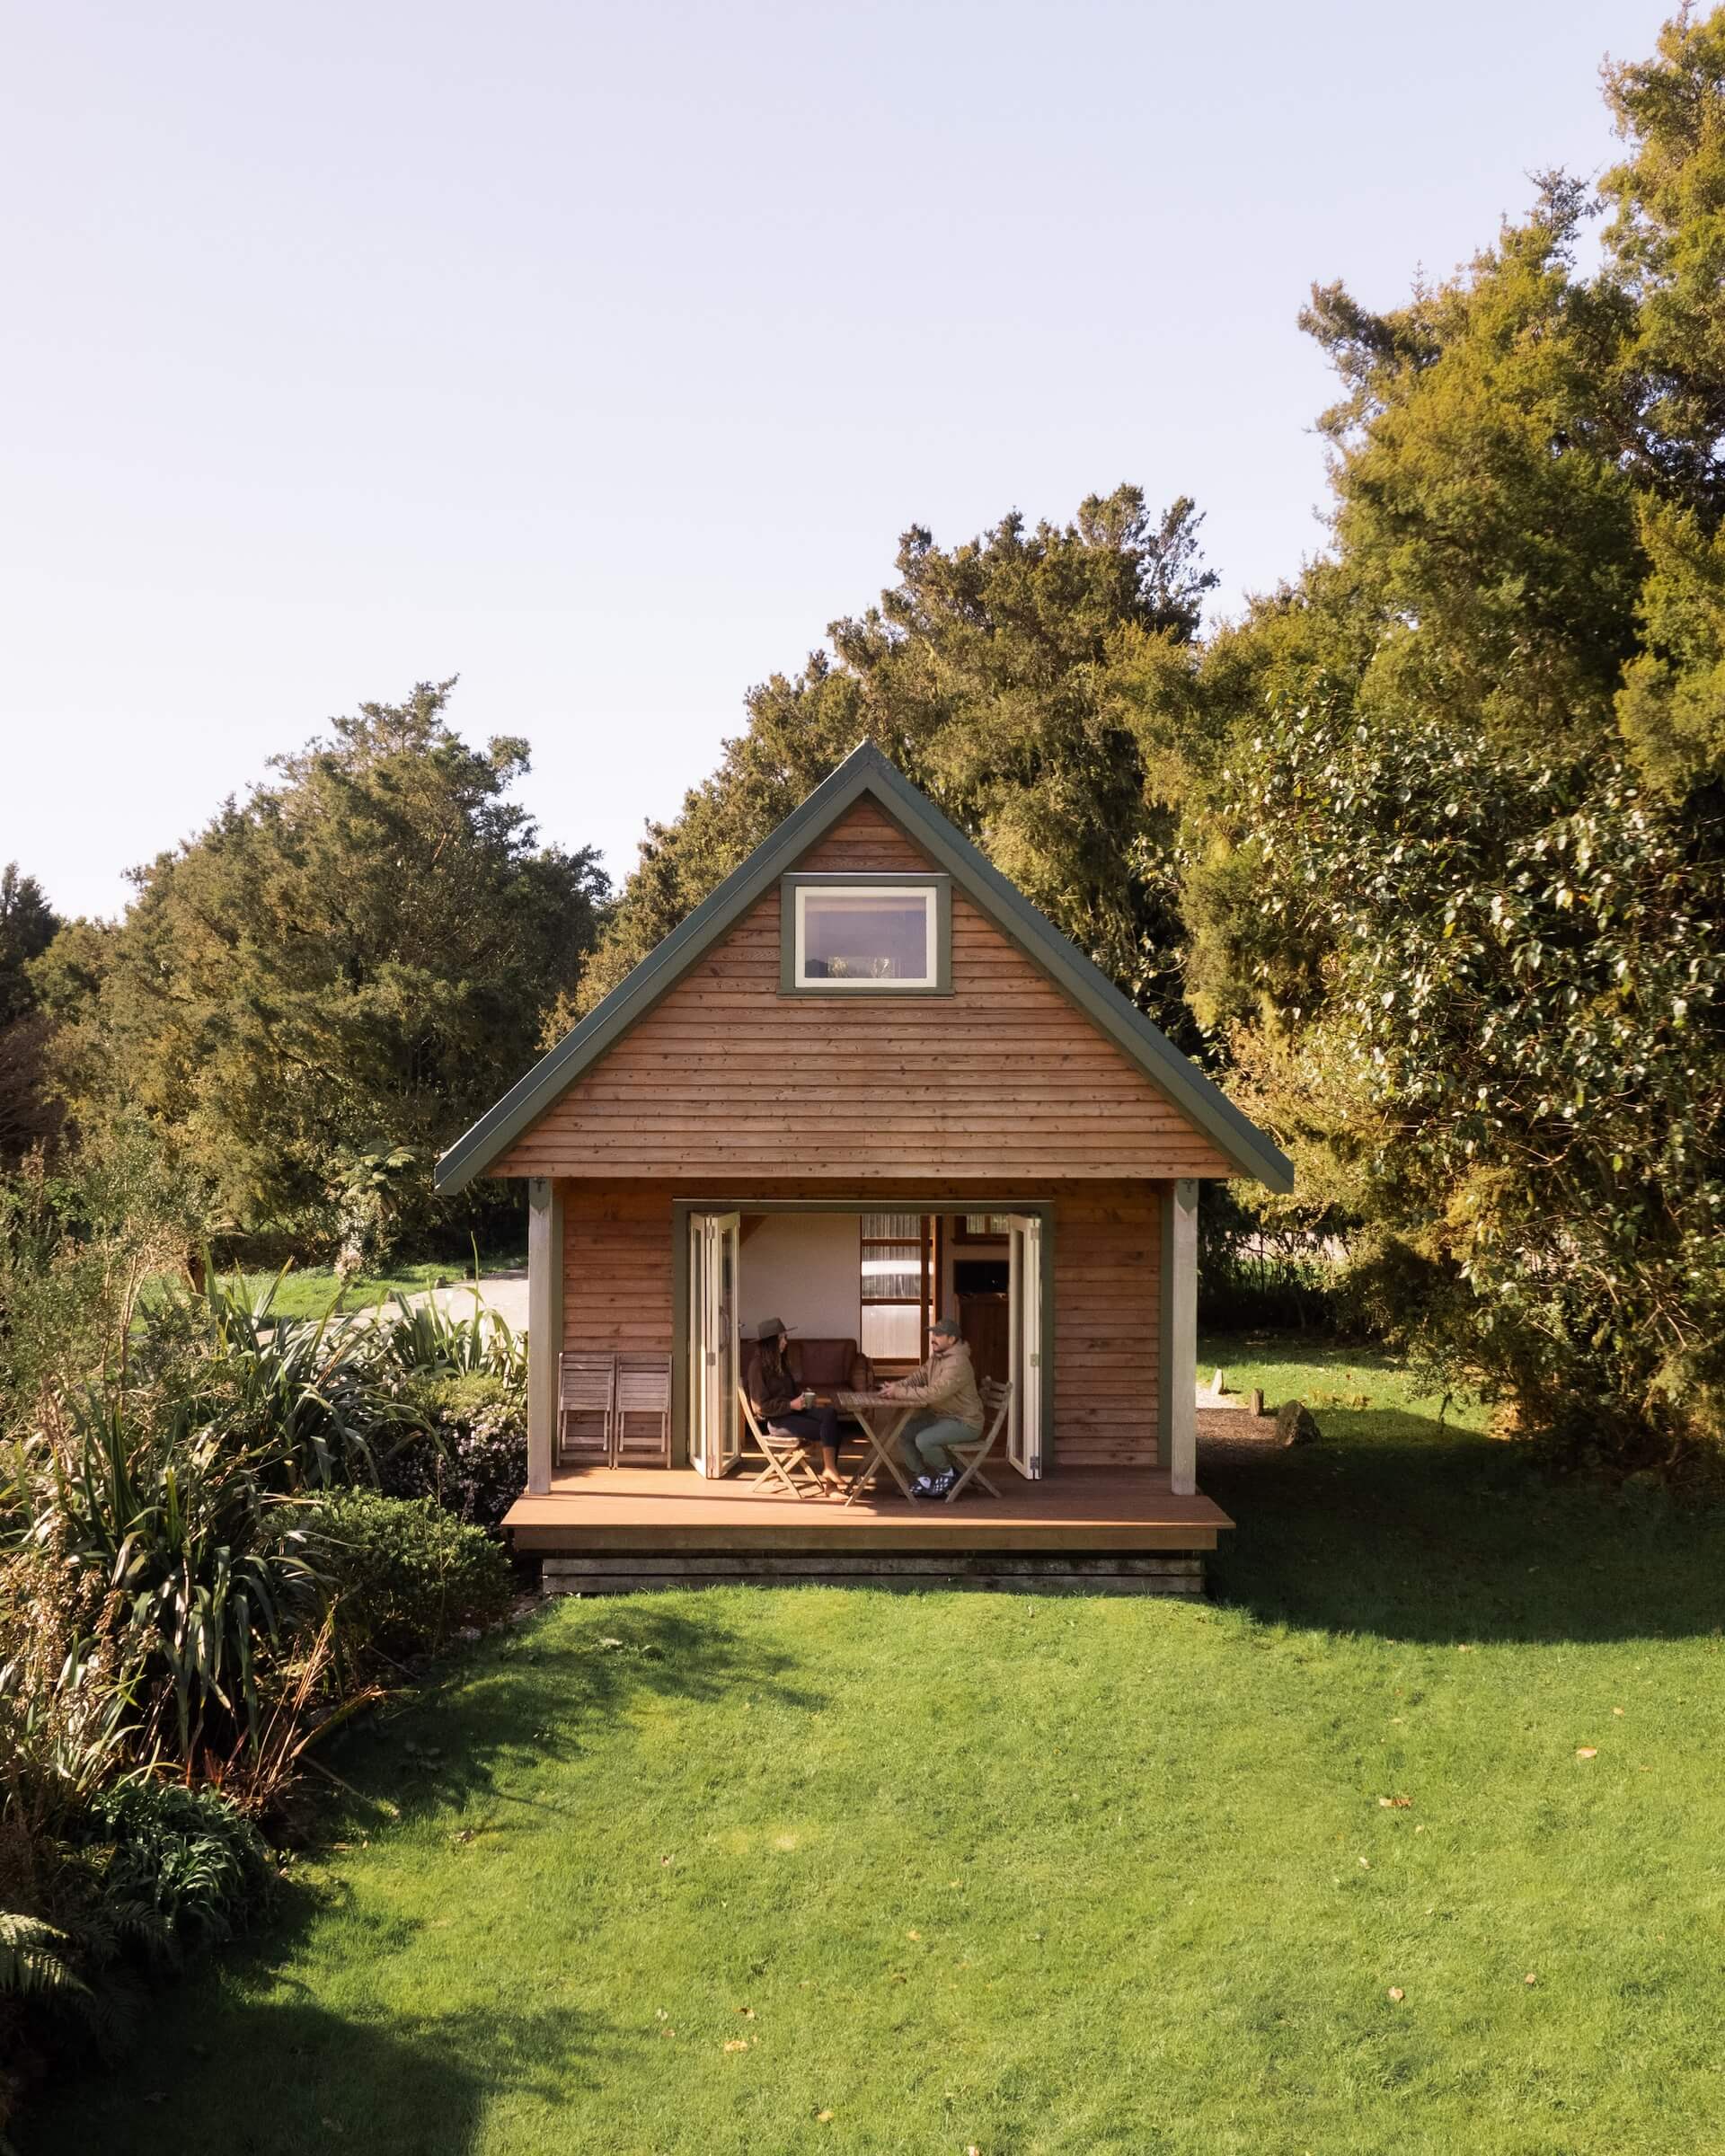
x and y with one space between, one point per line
939 1486
923 1486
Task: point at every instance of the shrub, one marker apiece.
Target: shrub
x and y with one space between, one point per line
205 1568
186 1855
472 1454
405 1573
424 1339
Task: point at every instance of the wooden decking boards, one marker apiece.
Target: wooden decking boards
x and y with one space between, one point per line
617 1512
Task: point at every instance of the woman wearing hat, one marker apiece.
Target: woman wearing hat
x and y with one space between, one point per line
781 1403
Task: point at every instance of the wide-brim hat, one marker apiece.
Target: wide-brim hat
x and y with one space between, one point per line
769 1328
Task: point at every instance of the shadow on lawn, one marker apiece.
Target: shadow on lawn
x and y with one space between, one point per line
279 2077
539 1694
1393 1524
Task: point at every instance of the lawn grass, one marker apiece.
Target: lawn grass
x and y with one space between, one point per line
311 1290
849 1870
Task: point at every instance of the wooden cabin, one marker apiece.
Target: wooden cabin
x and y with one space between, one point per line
866 1083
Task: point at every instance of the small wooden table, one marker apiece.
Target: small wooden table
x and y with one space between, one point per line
882 1416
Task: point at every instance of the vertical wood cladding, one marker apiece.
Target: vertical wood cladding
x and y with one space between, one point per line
725 1078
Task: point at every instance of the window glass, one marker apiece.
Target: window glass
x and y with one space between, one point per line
863 938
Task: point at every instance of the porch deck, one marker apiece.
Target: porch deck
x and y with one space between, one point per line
623 1527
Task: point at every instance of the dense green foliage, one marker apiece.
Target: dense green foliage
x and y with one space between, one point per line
1426 856
174 1595
1098 1876
28 925
472 1457
29 1114
1457 894
200 1866
316 995
408 1573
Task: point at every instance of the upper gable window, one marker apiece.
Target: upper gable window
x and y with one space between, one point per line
866 935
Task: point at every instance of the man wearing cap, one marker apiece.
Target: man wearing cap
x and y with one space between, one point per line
946 1389
781 1403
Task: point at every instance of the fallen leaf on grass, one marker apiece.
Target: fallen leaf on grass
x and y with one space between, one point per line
737 2044
1396 1804
1397 1994
1616 1710
822 2117
1586 1751
913 1935
748 2012
1530 1977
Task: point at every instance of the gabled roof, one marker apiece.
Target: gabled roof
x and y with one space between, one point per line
865 772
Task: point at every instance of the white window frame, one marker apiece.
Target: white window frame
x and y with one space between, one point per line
933 890
863 984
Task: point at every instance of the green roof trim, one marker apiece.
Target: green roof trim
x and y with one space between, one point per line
865 772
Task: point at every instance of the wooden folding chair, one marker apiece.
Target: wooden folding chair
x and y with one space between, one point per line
996 1399
784 1455
643 1428
586 1400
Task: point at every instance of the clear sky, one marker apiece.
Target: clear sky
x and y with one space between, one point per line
598 353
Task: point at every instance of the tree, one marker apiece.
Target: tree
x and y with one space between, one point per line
329 982
1457 881
29 1116
27 927
1002 676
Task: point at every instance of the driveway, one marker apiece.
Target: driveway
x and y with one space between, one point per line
504 1292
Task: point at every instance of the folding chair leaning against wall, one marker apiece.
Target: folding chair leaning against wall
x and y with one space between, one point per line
587 1399
642 1432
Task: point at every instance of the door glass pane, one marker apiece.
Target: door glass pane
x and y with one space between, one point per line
864 936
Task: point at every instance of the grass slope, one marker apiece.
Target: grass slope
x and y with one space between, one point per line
851 1871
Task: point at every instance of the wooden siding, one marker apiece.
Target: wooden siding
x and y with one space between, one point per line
1005 1079
1104 1326
617 1269
1107 1327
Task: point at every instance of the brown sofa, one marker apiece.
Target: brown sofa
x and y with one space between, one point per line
825 1366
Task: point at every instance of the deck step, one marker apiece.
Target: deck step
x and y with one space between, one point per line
1177 1573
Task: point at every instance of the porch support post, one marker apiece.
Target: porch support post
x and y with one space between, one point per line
1179 1386
544 1325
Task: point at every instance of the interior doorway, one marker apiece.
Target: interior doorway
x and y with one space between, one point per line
857 1283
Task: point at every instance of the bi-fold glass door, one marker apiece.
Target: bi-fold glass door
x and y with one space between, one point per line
714 1361
1025 1304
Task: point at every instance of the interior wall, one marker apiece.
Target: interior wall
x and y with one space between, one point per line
805 1269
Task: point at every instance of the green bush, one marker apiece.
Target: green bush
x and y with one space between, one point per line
472 1456
185 1855
405 1574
